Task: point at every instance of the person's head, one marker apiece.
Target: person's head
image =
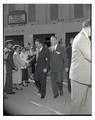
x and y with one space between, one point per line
28 45
87 26
9 44
38 43
53 40
23 49
17 48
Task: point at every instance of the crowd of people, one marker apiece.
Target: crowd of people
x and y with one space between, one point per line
24 63
18 64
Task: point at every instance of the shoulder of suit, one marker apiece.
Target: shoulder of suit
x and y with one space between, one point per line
60 47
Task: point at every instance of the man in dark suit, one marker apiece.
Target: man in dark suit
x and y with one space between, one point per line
9 67
42 67
69 55
56 67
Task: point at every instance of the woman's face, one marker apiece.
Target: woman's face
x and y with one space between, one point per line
18 49
23 50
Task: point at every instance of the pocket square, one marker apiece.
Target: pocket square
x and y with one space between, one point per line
58 52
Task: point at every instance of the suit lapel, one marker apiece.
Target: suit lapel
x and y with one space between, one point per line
57 48
40 53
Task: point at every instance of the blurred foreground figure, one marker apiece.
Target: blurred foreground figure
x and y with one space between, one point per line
80 71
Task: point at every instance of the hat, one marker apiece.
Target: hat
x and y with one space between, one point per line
16 46
8 41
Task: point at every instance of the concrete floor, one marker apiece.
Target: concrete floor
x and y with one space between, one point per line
28 102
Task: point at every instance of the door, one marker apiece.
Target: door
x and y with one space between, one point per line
68 36
17 39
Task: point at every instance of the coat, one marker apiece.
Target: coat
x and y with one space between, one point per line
9 62
80 69
17 75
43 60
18 62
57 59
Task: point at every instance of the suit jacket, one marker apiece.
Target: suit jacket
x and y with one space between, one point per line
69 55
57 59
43 60
80 69
9 62
69 51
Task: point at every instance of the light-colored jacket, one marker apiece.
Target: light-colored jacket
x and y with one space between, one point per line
24 57
17 61
80 69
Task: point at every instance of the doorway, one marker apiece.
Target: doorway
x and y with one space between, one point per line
17 39
68 36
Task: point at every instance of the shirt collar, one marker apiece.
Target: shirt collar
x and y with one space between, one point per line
85 33
41 49
55 46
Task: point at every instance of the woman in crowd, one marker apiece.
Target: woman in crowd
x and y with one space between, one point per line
24 56
29 52
17 75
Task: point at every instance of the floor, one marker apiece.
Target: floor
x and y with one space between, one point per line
28 102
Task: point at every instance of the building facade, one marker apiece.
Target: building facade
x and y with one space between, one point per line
45 20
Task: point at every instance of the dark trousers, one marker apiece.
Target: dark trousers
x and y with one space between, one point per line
40 82
24 75
57 82
8 84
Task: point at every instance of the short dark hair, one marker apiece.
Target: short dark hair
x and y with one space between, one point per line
54 36
86 23
8 42
16 46
40 41
28 43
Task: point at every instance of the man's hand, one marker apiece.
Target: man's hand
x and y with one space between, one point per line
66 69
44 70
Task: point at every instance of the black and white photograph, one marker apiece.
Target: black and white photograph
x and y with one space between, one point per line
47 59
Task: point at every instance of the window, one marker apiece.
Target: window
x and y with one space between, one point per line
31 13
78 11
53 12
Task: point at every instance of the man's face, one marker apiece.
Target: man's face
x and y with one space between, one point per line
38 45
53 41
